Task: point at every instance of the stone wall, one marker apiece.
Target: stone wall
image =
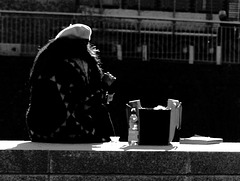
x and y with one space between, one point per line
64 162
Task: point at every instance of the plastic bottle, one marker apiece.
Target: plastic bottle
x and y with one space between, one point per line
133 130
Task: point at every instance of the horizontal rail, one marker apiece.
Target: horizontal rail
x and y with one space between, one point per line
126 37
114 16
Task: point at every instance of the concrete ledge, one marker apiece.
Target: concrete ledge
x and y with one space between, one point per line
23 160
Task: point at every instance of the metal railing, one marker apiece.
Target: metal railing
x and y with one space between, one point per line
123 38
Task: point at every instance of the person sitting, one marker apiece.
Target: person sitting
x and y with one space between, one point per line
68 87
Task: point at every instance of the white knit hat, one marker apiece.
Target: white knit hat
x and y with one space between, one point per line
76 31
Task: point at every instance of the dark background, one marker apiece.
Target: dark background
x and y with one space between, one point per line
210 95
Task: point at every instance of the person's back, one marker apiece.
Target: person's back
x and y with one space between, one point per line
67 102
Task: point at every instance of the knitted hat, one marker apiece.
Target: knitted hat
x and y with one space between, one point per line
76 31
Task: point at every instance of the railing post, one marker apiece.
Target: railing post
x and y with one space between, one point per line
191 54
219 55
119 52
144 52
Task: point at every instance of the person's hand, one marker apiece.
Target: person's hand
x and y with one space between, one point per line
109 97
108 78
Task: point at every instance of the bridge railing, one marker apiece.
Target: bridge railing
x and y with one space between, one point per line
22 33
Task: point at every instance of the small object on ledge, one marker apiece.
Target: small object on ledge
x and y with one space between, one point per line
201 140
115 139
